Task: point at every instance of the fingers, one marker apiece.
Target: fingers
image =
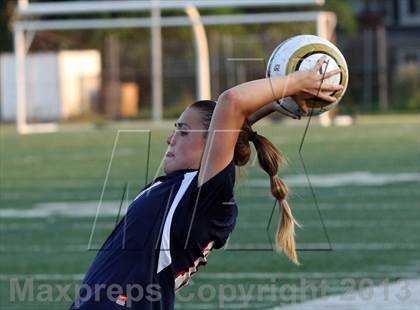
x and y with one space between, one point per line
331 87
331 73
327 90
302 104
327 98
319 63
325 75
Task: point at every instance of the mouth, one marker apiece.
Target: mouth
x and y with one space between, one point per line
169 154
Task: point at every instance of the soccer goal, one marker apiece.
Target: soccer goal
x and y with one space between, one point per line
25 28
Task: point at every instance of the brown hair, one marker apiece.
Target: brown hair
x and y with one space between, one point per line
269 158
206 107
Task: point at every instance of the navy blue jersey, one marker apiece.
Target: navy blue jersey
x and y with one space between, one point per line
167 233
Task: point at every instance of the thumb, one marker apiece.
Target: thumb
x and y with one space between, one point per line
302 104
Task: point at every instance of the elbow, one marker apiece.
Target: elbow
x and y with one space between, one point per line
229 96
230 99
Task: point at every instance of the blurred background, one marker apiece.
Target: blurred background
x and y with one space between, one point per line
108 72
89 91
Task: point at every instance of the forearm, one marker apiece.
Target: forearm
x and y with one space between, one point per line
262 112
251 96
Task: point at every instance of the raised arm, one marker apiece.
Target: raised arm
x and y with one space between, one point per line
239 102
262 112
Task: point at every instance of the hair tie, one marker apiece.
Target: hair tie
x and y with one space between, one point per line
253 136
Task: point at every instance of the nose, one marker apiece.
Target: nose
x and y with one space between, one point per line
170 139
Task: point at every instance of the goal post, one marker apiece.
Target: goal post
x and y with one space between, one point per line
324 24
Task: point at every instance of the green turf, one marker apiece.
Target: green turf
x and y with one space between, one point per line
374 230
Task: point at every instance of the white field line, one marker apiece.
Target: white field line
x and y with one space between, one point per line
43 226
225 305
87 209
63 209
5 249
212 306
92 209
207 306
402 295
379 294
299 275
295 293
355 178
407 268
231 275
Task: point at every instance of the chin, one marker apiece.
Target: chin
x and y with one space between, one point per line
167 167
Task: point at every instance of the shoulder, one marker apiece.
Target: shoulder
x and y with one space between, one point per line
220 186
224 176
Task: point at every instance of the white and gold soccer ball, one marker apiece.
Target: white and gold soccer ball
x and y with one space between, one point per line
302 53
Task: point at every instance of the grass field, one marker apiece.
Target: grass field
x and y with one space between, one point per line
366 181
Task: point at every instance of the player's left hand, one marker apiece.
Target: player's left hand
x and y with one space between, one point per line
302 103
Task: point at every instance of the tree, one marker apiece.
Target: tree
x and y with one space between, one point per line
6 12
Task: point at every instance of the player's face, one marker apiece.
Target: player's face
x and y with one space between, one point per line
186 143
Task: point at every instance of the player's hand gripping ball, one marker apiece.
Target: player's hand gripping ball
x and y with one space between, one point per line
302 53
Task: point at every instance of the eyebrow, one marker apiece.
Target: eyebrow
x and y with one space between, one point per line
178 125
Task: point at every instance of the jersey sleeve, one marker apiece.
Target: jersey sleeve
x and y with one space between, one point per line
216 201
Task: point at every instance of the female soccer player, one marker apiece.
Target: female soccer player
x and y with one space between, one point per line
171 226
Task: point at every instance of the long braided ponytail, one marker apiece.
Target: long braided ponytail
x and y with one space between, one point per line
270 158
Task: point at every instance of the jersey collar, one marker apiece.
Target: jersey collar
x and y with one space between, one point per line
179 172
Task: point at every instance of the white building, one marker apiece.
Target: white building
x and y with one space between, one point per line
59 85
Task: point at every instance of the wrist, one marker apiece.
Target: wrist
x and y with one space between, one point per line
294 84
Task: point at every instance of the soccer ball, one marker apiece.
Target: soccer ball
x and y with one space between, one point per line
301 53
